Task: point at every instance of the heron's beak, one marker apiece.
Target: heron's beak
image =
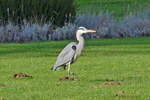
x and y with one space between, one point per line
91 31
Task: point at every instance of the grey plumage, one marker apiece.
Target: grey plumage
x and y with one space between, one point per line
70 53
67 55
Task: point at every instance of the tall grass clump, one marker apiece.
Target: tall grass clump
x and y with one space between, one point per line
56 11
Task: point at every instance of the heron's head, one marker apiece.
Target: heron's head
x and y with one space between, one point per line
83 30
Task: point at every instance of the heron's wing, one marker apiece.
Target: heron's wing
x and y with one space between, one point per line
66 54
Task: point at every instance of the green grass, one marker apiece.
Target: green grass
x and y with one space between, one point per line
103 60
119 7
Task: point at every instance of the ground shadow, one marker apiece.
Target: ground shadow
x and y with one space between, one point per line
106 80
111 2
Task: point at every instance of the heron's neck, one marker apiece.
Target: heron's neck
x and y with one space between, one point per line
80 44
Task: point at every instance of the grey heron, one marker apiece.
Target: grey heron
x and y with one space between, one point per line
72 51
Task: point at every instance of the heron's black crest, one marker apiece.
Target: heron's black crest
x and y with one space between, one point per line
74 47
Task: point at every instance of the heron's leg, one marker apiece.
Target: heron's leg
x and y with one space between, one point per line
69 70
69 73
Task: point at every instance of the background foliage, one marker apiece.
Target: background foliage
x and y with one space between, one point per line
104 23
118 7
41 20
56 11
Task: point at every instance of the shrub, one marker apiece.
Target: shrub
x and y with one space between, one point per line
133 26
36 32
107 27
25 32
67 32
103 23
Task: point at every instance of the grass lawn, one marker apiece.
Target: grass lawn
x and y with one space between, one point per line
119 7
103 60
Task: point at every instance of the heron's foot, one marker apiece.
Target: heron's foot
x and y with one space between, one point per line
69 78
75 76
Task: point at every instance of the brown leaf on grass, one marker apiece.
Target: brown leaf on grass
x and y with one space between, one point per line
1 98
21 75
65 79
111 83
94 87
115 51
2 85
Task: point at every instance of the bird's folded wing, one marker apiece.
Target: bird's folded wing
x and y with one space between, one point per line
66 54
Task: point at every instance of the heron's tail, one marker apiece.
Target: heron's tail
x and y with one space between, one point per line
54 68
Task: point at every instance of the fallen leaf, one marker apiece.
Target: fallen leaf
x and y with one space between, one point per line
2 85
1 98
111 83
94 87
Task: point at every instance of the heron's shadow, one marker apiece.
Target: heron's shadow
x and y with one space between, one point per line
106 80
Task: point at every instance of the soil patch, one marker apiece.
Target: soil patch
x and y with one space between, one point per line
21 75
66 79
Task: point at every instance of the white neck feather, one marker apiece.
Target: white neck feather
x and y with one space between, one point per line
80 45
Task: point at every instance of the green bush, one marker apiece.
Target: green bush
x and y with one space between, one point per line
57 11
